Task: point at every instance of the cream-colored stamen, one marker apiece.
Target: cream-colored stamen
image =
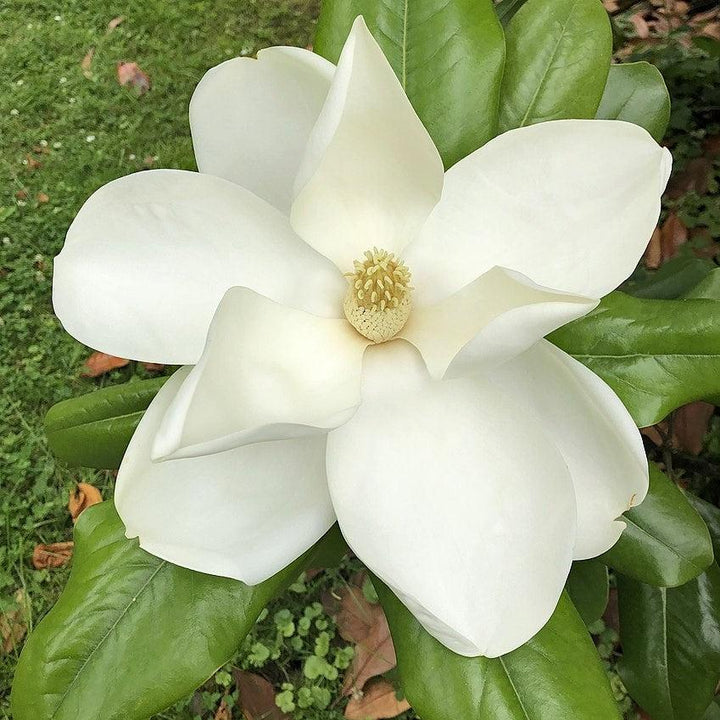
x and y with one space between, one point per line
377 303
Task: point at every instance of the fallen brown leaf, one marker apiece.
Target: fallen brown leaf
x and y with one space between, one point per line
690 425
13 624
642 29
100 363
153 367
364 623
129 73
223 712
711 146
87 62
378 701
82 497
673 234
694 177
42 198
653 256
21 194
32 163
257 697
55 555
114 23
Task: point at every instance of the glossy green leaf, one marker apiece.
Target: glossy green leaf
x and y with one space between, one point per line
675 278
656 354
589 589
555 676
94 430
708 288
557 62
636 93
131 633
671 645
448 55
666 543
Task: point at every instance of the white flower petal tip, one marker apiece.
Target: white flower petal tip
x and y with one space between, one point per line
489 511
251 119
150 255
499 315
371 173
243 514
268 372
594 432
571 204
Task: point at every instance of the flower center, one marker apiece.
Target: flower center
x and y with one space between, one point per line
377 303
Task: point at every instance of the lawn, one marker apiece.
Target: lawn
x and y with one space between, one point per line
67 126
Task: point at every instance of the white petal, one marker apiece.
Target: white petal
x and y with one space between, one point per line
149 257
455 498
268 372
593 430
371 174
570 203
251 119
497 316
244 514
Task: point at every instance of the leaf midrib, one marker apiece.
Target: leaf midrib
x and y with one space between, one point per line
102 640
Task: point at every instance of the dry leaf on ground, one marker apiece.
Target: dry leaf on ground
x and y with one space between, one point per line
87 62
364 623
378 701
257 697
153 367
81 497
100 363
114 23
653 256
55 555
42 198
129 73
13 624
673 234
223 712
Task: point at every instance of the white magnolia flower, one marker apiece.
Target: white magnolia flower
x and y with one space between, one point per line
467 460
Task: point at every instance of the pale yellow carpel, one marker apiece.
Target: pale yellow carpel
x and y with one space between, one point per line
378 300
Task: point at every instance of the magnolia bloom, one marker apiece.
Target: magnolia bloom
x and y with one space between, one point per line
362 336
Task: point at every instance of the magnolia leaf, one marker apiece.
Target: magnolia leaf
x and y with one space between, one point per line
665 542
657 355
558 58
589 589
636 93
711 515
506 9
447 54
94 430
132 633
713 712
671 645
557 675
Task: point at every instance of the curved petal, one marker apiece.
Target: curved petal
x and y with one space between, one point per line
569 203
371 174
149 257
251 119
268 373
456 499
494 318
244 514
592 429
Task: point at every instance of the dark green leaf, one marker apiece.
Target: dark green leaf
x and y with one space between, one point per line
674 279
555 676
636 93
666 543
506 9
708 288
94 429
656 354
131 633
588 588
711 515
671 645
713 712
448 55
558 58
